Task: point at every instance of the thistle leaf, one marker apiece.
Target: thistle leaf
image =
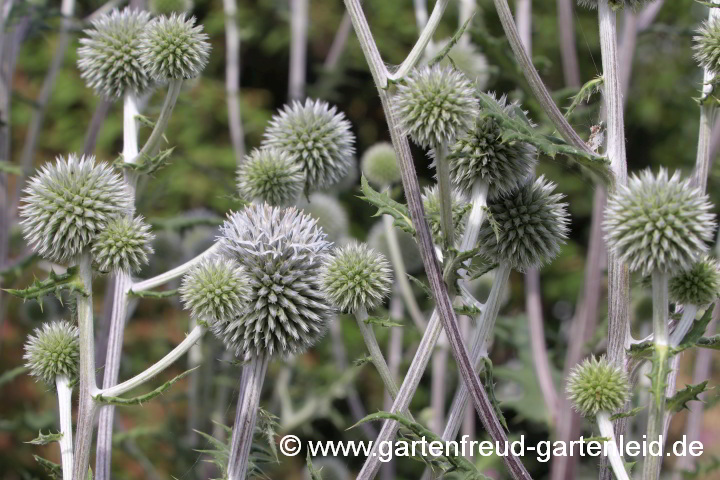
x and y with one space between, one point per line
712 343
690 393
695 333
314 473
629 414
52 469
487 379
453 41
53 285
148 164
382 322
43 439
658 374
585 94
387 205
154 294
139 400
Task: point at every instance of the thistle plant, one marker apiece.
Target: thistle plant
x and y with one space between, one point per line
270 175
707 45
379 165
694 289
465 57
123 245
433 207
216 291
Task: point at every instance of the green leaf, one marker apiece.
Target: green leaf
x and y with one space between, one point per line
467 310
154 294
712 343
585 94
139 400
148 164
359 362
695 333
7 167
658 374
314 473
688 394
11 272
641 350
629 414
52 469
486 375
423 286
453 41
387 205
43 439
381 322
55 284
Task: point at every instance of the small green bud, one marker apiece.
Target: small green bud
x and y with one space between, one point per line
216 291
270 175
123 245
597 386
700 285
379 165
52 350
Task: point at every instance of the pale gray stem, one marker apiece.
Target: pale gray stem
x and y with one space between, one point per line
568 49
628 40
298 48
232 79
64 392
338 45
686 321
523 18
613 454
195 357
475 219
438 377
253 376
152 144
176 272
421 13
395 344
442 169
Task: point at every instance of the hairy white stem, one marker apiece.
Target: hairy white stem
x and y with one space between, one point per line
253 376
298 48
683 326
232 79
421 13
475 219
176 272
64 392
195 358
523 18
613 454
568 49
660 307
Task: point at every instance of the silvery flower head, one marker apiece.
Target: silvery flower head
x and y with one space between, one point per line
174 48
658 223
216 291
123 245
270 175
463 56
707 45
482 154
597 386
525 228
283 251
317 136
329 214
431 203
68 203
53 350
378 240
615 4
379 165
109 58
356 277
167 7
435 104
699 285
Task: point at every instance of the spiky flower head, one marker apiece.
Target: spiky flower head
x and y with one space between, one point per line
123 245
464 56
174 48
431 202
700 285
596 385
52 350
378 240
317 136
482 154
167 7
283 251
525 228
379 165
270 175
435 104
68 203
707 45
615 4
329 214
109 58
216 290
658 223
356 277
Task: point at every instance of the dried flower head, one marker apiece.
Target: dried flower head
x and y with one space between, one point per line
283 252
700 285
270 175
317 136
109 56
707 45
658 223
597 386
379 165
464 56
435 104
356 277
329 214
377 239
123 245
431 202
67 204
614 4
216 291
525 228
482 154
174 48
167 7
52 350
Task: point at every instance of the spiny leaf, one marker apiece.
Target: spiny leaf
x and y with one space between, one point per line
359 362
690 393
453 41
422 285
143 398
52 469
382 322
585 94
468 310
596 439
43 439
695 333
487 379
153 294
55 284
658 374
314 473
387 205
629 414
712 343
642 349
148 164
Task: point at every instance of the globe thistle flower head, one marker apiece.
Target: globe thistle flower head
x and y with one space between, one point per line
270 175
614 4
706 45
597 386
431 202
167 7
316 136
435 104
356 277
525 228
52 350
68 203
123 245
329 214
283 251
379 165
174 48
658 223
109 58
482 154
700 285
378 241
216 291
463 56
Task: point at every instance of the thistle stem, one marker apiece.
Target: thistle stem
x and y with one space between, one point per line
64 391
660 307
298 48
613 454
153 142
476 217
683 326
232 79
253 376
176 272
445 193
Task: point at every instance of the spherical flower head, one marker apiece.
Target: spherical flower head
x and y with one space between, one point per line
109 58
283 251
123 245
167 7
597 386
379 165
435 104
216 291
356 277
464 56
658 223
377 239
68 203
173 48
525 228
707 45
316 136
329 214
700 285
615 4
431 202
53 350
270 175
482 154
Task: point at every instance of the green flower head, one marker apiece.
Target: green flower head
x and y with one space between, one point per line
597 386
123 245
379 165
216 290
270 175
53 350
700 285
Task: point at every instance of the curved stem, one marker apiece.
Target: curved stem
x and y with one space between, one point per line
445 192
613 454
153 142
686 321
232 79
476 217
298 48
64 392
176 272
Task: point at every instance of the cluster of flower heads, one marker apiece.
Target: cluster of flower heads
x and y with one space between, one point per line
126 51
